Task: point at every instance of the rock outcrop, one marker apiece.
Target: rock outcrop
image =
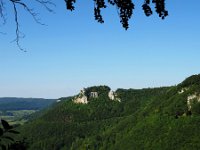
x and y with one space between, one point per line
81 98
183 90
94 95
84 97
190 100
113 96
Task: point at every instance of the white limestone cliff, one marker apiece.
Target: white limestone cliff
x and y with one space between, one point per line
190 100
83 99
111 95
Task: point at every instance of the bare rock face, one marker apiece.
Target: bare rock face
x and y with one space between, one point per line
111 95
94 95
190 100
81 98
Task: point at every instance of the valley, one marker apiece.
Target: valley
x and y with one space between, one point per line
142 119
151 118
17 111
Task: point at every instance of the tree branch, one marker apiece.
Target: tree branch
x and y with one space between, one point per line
15 3
2 10
124 9
17 31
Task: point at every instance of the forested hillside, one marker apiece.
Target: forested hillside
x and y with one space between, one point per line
12 103
19 110
163 118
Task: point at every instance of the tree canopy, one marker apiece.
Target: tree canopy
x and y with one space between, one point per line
124 9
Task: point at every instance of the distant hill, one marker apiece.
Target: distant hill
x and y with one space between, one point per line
12 103
165 118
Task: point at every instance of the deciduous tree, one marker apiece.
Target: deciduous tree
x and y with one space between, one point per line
124 9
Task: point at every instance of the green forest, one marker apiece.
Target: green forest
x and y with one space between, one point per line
19 110
13 103
163 118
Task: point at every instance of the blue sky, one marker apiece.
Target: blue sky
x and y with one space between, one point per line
74 51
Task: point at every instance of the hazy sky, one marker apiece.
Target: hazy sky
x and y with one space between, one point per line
75 51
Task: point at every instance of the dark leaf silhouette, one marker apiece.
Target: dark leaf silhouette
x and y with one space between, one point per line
11 143
9 138
69 4
13 131
1 132
3 147
5 124
124 9
147 8
18 145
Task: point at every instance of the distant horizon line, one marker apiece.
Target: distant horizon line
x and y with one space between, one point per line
97 85
82 88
